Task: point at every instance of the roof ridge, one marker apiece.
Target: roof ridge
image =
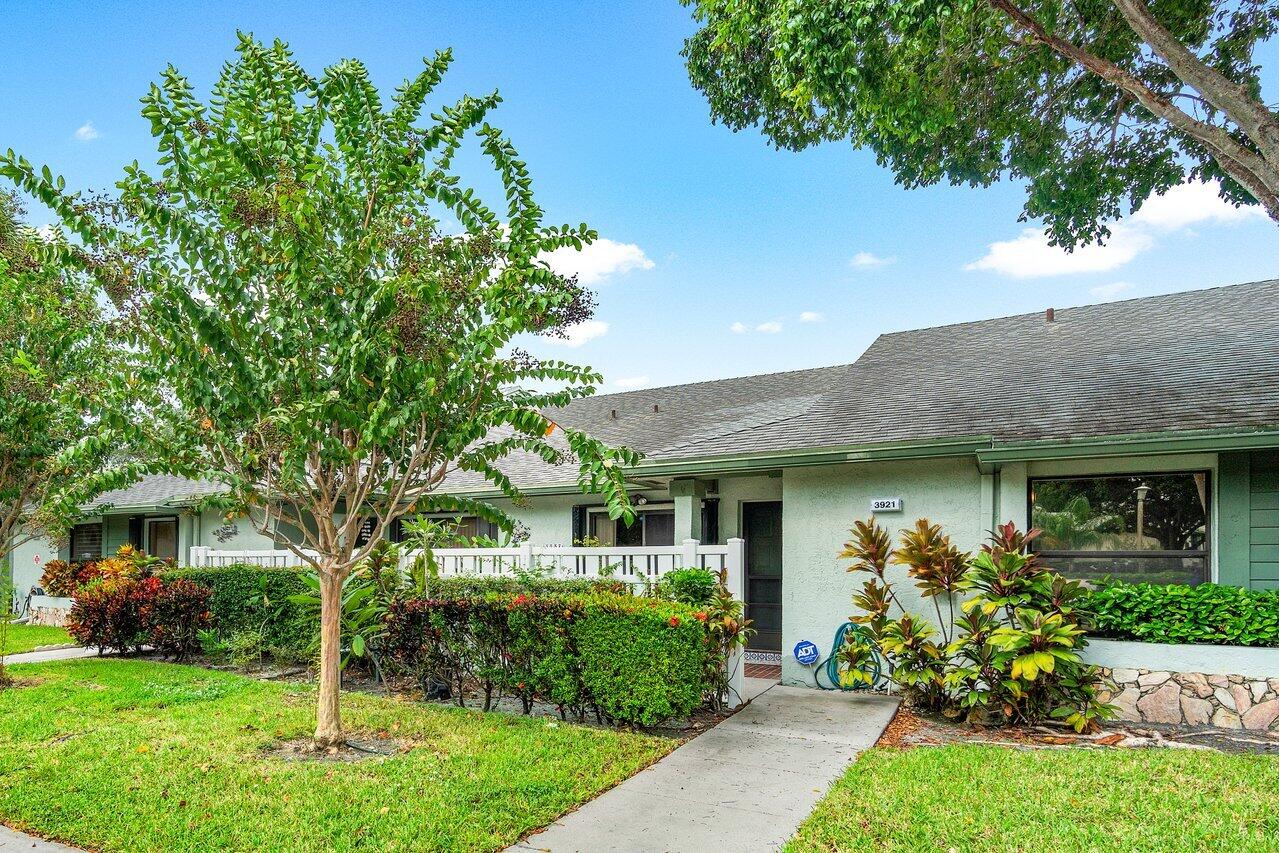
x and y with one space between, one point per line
615 394
1150 298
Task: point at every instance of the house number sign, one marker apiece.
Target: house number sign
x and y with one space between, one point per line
885 504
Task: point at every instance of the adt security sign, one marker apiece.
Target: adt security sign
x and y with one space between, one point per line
806 652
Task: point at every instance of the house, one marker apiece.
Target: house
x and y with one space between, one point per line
1142 435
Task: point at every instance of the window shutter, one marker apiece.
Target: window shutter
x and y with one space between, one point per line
579 523
710 521
135 531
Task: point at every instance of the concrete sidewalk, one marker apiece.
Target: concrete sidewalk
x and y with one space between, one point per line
50 654
12 841
745 785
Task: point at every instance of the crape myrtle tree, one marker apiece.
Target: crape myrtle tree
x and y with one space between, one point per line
305 330
1096 104
54 361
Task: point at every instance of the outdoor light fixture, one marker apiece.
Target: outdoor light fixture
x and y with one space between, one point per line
641 500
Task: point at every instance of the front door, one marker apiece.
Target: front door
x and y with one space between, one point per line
762 529
162 538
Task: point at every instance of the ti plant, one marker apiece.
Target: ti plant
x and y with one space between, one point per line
1011 653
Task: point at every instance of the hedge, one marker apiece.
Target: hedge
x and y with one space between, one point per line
631 660
1207 613
237 604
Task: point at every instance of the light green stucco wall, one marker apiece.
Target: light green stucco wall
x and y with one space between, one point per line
735 491
820 504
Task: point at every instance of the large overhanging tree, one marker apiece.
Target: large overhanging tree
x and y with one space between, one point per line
305 330
54 358
1096 104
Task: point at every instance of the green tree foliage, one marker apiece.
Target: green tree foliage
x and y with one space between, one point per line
305 329
53 361
1096 104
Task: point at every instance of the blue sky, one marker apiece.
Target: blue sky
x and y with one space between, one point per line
723 256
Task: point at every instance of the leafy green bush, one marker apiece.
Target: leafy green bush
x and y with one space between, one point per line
1009 650
1206 613
124 614
688 586
256 598
631 660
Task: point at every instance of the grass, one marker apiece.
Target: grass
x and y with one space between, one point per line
132 755
977 798
24 638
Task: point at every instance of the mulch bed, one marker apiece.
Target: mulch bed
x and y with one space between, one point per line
909 730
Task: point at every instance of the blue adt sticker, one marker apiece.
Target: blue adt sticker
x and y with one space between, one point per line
806 652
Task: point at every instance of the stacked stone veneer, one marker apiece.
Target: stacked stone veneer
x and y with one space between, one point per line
1195 699
50 611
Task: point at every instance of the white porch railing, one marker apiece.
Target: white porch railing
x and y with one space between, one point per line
637 566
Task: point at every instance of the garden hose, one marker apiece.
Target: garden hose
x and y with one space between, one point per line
830 665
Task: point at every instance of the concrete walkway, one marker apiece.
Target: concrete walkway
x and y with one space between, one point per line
71 653
11 841
745 785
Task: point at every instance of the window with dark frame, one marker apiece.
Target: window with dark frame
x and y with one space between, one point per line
1142 528
86 542
651 527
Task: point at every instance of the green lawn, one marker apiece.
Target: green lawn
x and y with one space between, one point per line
131 755
24 638
976 798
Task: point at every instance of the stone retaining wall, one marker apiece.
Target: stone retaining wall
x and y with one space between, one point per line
49 610
1195 699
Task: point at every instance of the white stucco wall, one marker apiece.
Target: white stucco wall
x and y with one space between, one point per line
735 491
819 506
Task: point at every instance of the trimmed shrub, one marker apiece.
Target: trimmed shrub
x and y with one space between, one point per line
1206 613
179 612
248 598
123 614
641 660
113 613
632 660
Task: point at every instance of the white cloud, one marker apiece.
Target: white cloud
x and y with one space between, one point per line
631 382
1192 203
1107 291
770 328
869 260
1029 256
812 317
599 261
580 333
87 132
738 328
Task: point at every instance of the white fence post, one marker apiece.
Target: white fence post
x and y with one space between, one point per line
526 556
689 556
735 565
199 555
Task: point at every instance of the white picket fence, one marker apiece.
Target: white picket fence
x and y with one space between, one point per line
638 566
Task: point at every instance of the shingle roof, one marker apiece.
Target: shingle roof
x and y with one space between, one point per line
157 490
1199 360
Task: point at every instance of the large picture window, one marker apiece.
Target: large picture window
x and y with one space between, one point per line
1142 528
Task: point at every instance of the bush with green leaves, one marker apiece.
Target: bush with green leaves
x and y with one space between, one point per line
630 660
693 585
249 598
1008 652
1207 613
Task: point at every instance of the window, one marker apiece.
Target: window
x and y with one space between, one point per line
1136 527
651 527
86 542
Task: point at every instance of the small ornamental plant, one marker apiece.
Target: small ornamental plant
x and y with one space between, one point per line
1005 642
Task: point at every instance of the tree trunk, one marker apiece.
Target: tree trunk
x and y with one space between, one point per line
328 715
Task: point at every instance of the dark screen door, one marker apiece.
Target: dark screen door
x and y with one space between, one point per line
762 529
